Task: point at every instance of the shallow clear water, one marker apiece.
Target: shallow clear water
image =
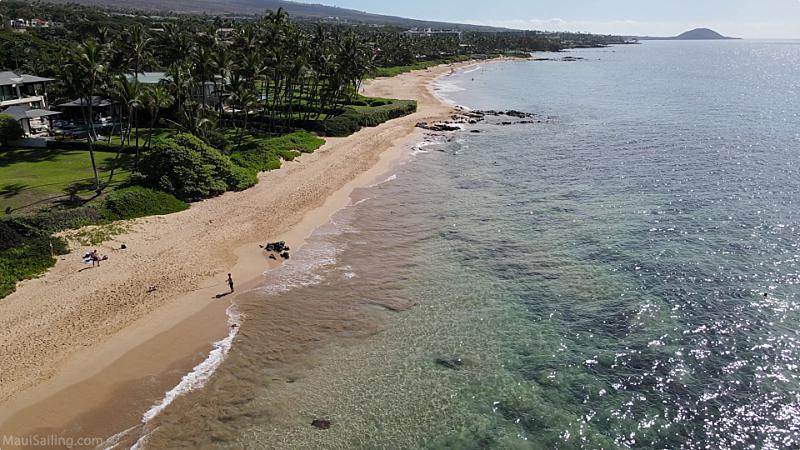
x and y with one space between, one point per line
592 281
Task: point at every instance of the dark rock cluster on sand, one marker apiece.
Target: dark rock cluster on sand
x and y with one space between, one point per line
279 248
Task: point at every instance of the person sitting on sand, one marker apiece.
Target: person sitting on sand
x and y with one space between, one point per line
95 257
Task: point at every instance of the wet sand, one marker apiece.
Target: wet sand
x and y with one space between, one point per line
85 354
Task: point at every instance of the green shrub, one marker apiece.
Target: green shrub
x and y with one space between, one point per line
264 154
10 236
10 129
353 119
25 252
137 201
243 178
188 168
56 220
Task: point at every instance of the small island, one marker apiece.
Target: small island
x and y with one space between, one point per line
698 34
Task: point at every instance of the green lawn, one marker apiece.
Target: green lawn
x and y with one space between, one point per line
31 179
143 132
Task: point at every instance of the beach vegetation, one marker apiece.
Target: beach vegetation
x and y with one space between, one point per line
261 154
372 113
137 201
25 252
96 234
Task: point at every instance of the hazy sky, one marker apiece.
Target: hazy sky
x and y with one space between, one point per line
740 18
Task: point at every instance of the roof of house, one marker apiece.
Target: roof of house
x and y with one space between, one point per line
81 102
149 77
11 78
20 112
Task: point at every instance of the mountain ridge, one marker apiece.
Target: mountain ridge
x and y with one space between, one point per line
311 11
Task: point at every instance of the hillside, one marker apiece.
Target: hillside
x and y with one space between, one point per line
295 9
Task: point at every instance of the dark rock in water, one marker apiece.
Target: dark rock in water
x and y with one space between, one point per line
518 114
285 255
474 131
506 123
322 424
450 363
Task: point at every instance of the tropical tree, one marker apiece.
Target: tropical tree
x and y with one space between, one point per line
156 99
89 68
192 118
128 93
139 45
243 99
221 65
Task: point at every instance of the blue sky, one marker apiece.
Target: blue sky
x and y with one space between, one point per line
741 18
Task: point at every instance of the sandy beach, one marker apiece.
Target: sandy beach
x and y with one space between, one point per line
85 354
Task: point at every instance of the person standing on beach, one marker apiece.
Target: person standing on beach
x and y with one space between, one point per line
230 282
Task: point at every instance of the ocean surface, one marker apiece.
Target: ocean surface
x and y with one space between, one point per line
595 279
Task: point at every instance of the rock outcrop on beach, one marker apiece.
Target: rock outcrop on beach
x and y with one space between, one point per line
464 117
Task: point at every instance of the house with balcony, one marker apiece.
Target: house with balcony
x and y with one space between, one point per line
24 97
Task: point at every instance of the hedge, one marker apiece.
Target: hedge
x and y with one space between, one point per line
353 119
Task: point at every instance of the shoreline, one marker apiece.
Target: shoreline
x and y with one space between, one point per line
148 356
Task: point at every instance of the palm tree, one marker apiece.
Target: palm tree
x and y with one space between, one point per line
221 64
179 82
139 43
243 99
192 120
201 62
156 99
129 95
89 61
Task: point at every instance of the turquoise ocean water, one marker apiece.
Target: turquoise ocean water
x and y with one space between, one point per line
592 281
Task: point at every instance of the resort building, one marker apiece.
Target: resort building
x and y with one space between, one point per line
24 24
24 97
430 32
